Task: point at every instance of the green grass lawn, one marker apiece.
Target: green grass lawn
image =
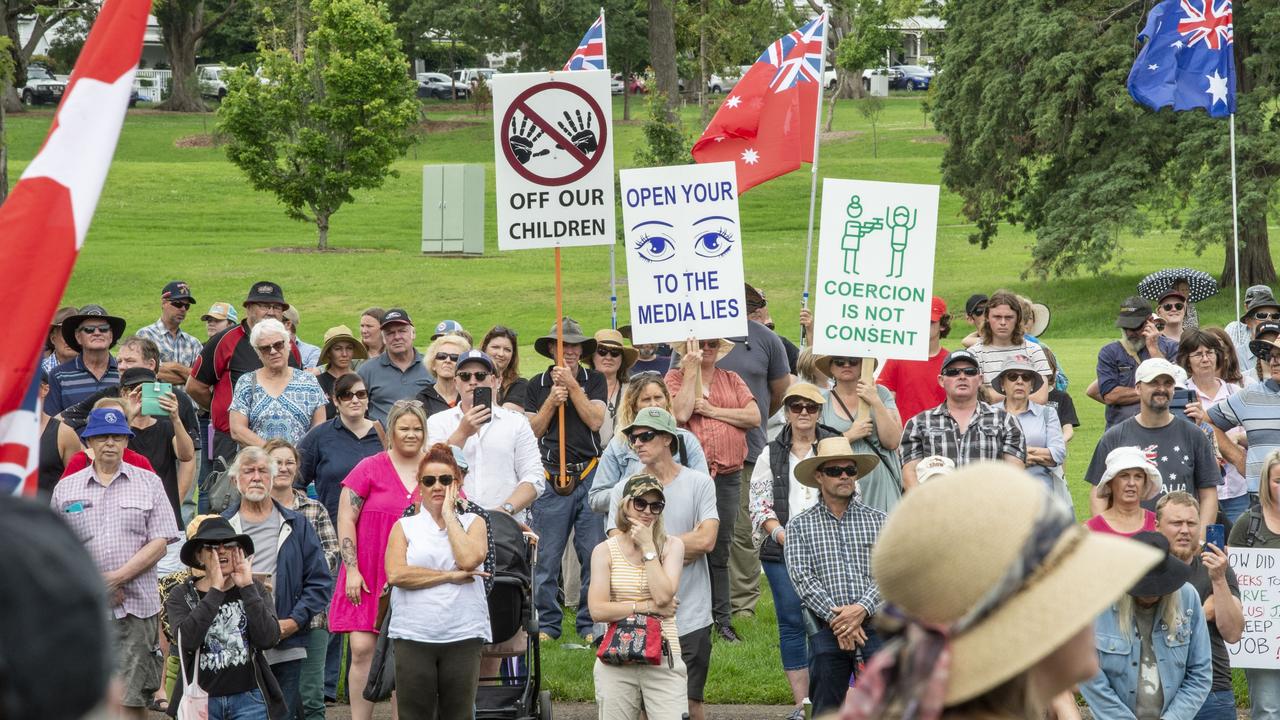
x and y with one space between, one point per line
175 211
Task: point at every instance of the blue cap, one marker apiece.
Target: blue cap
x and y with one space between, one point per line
106 421
447 327
476 356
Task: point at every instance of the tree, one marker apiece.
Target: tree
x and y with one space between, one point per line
45 14
313 131
68 39
860 34
664 140
184 24
662 52
727 33
1042 132
6 77
870 108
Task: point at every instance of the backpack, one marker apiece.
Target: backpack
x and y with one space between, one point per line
223 493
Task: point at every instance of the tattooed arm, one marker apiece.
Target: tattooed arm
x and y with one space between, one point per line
349 504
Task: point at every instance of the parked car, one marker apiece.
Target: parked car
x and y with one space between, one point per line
42 86
913 77
723 83
212 80
895 77
616 85
471 76
441 87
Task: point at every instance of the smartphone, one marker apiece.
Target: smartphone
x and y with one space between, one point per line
482 396
1216 535
1182 397
151 394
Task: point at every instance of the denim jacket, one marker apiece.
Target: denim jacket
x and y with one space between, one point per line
1182 657
620 462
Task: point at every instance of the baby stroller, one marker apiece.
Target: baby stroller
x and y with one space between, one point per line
515 629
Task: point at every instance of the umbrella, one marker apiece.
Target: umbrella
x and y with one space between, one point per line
1160 283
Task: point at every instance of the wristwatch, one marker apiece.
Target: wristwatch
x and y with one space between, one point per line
508 508
651 555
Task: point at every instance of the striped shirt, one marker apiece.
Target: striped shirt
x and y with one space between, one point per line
829 557
630 583
1257 409
992 359
724 445
184 348
71 382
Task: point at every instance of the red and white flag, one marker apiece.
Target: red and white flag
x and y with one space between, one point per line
45 218
766 124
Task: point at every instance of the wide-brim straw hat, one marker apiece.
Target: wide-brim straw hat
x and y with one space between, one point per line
833 448
612 339
930 564
335 335
823 363
1125 458
805 391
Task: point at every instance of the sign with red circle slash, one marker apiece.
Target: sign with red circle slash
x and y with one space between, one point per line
553 135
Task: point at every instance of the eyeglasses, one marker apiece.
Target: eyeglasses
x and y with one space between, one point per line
1168 307
654 506
183 305
479 375
1204 355
451 357
846 362
407 403
95 329
646 436
1025 377
275 347
803 408
1267 316
225 545
835 471
431 480
1267 354
357 394
966 371
605 352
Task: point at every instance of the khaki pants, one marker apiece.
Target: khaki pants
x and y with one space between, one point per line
622 690
744 559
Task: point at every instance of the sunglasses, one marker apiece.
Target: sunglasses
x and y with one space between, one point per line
183 305
103 329
835 471
1267 316
431 480
980 310
275 347
1267 354
654 506
709 344
357 394
803 408
479 375
646 436
604 352
451 357
846 362
225 545
1172 306
966 371
1020 377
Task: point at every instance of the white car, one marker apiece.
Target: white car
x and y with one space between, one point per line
212 80
722 83
616 85
471 76
42 86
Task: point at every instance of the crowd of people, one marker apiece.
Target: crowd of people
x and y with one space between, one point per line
252 500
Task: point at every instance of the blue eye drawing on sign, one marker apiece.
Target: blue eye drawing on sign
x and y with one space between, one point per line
655 245
710 241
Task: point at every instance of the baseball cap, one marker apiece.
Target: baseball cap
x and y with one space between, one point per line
1152 368
638 485
654 418
934 467
221 311
136 376
396 315
937 309
974 302
106 421
265 291
959 356
177 290
447 327
1134 312
476 356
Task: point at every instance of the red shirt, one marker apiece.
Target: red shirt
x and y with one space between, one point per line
914 383
80 461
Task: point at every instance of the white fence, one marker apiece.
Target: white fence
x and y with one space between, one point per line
151 84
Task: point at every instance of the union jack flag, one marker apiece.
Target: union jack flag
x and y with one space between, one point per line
19 440
797 55
1210 25
590 52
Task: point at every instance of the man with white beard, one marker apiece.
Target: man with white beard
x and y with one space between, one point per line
1118 360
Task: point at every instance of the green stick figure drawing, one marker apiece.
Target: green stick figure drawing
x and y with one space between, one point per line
900 218
854 231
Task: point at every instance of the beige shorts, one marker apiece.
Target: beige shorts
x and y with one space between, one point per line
622 690
138 662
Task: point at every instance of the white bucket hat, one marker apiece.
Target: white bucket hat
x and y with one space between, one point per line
1125 458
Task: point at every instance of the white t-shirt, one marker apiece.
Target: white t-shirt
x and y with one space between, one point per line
445 613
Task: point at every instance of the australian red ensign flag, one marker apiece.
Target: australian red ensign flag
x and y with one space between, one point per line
44 220
766 123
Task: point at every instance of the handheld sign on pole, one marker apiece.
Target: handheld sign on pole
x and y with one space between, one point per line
1258 573
875 269
553 159
684 252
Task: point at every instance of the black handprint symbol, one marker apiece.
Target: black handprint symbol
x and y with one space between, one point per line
523 138
580 132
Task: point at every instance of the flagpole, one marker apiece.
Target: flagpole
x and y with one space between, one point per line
613 248
813 169
1235 214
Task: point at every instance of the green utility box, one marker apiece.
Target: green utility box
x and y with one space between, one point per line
453 209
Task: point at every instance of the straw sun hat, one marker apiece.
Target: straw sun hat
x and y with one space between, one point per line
1051 577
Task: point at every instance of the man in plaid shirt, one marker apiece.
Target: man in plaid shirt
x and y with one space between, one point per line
175 344
963 427
828 554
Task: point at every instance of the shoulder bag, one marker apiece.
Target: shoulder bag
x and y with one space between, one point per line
635 640
382 669
194 704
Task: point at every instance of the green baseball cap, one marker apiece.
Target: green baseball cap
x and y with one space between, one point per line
654 418
638 485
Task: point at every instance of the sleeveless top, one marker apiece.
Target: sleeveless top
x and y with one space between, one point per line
444 613
629 583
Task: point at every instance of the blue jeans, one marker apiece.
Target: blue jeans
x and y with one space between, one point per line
311 682
248 705
786 603
1220 705
289 675
1234 507
1264 694
831 669
553 517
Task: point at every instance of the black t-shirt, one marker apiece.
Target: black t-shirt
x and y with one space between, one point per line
327 382
1179 450
581 442
1221 661
1065 406
515 394
226 657
156 445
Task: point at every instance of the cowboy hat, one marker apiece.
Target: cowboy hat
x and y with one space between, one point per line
546 345
833 448
71 324
613 340
1056 586
1040 318
341 333
823 363
1125 458
1017 363
213 530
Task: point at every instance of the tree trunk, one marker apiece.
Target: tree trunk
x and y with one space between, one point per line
1256 267
626 93
322 224
702 66
9 91
4 155
662 52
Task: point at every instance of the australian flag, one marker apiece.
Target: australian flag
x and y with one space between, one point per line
1188 61
590 52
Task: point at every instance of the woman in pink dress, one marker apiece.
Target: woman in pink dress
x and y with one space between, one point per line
377 492
1130 478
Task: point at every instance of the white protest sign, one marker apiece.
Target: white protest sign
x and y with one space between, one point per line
1258 573
553 159
684 252
875 269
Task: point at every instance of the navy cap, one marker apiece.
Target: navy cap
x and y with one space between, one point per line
476 356
396 315
958 356
177 290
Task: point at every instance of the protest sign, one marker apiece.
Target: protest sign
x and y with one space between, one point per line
553 159
875 269
1258 573
684 252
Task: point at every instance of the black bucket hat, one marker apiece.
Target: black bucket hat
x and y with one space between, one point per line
90 312
546 345
213 530
1167 576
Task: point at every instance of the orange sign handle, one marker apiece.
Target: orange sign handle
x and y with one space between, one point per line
560 356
